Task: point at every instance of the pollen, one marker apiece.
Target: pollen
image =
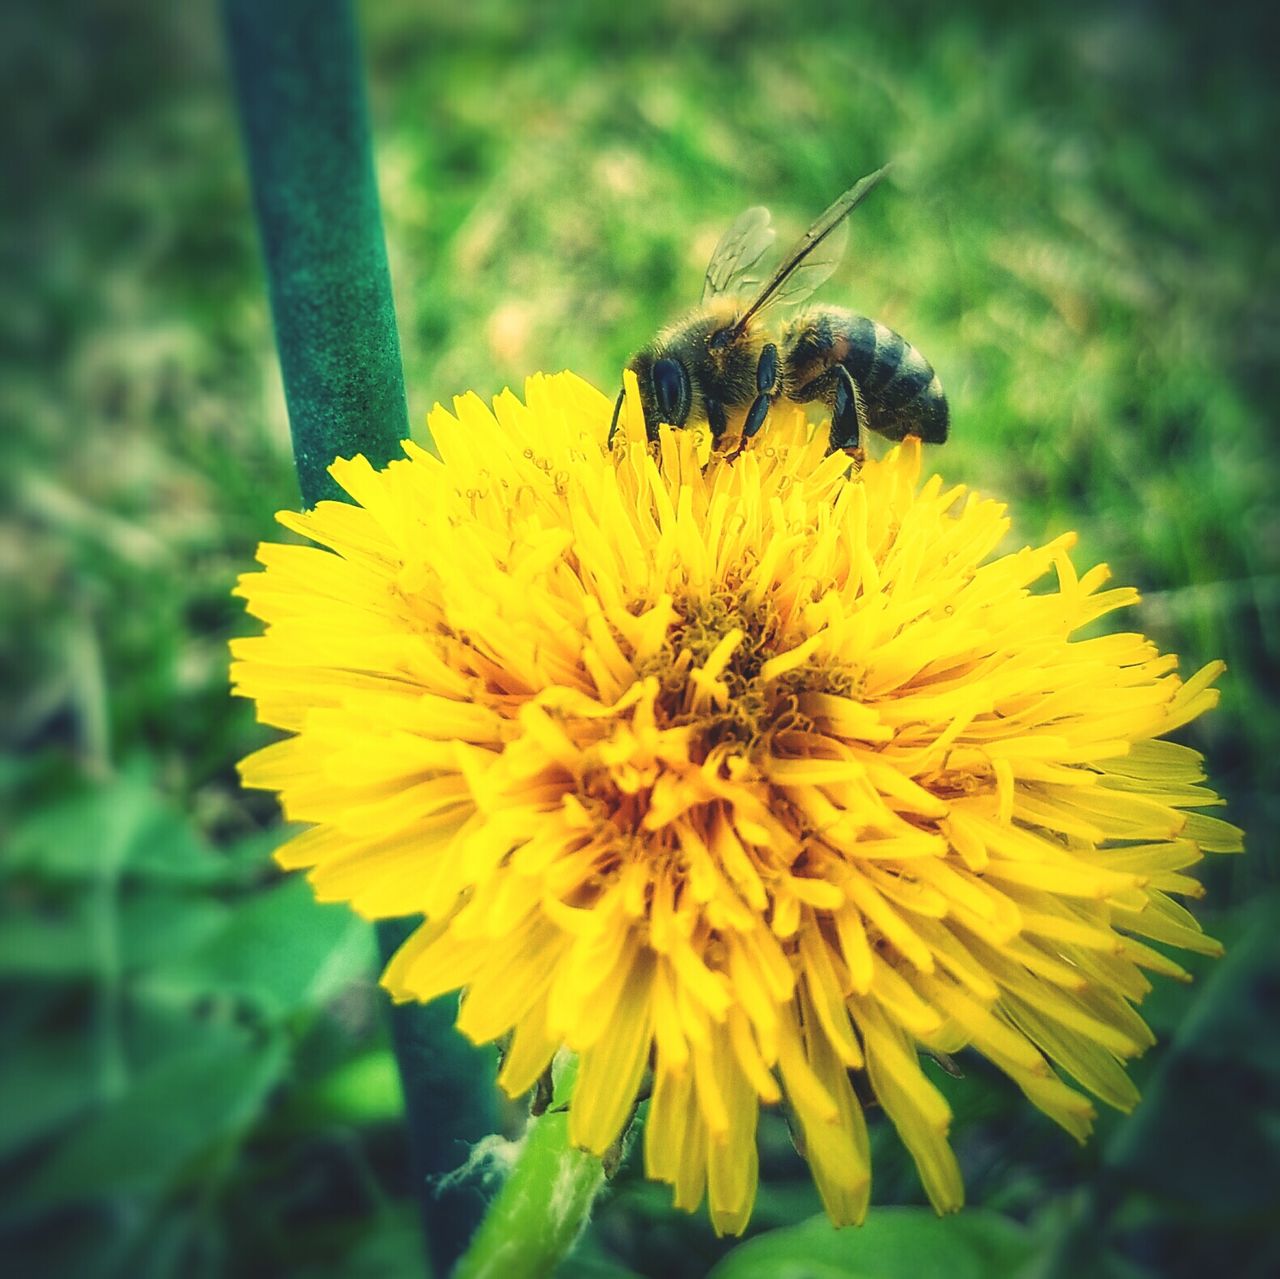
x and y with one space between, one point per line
751 774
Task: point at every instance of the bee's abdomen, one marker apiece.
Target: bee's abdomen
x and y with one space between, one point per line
901 391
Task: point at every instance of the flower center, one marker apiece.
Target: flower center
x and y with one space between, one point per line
721 698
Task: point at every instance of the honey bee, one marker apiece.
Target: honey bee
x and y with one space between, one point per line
721 364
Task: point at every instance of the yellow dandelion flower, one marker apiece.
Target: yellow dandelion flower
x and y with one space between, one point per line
749 773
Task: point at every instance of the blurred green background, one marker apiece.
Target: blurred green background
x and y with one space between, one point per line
1080 233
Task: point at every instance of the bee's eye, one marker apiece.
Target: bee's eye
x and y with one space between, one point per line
671 389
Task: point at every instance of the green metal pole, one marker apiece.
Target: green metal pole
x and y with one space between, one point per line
306 132
301 98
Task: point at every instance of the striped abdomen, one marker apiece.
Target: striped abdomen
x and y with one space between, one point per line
901 391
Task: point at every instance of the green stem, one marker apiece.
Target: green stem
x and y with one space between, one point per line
543 1205
301 98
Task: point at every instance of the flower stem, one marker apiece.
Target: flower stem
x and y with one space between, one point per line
543 1205
301 98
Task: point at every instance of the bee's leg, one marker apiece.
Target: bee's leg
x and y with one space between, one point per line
756 415
848 413
617 409
766 390
716 419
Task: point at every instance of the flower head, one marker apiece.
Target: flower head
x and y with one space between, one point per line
751 773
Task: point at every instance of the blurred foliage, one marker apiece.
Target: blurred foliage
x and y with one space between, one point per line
1079 232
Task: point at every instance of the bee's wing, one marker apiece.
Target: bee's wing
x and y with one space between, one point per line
733 265
791 287
816 254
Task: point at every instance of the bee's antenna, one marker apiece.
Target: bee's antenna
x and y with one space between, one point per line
617 409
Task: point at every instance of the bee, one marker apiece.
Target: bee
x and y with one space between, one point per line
722 365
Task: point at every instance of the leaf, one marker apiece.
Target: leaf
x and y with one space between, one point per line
71 938
122 826
157 926
364 1090
390 1248
279 948
895 1243
45 1083
47 944
589 1261
169 1115
1201 1135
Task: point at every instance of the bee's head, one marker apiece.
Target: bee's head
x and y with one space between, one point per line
684 368
666 389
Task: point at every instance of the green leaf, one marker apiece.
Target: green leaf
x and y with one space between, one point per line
48 944
125 826
157 927
1204 1135
45 1083
181 1108
589 1261
66 939
280 949
392 1250
365 1090
895 1243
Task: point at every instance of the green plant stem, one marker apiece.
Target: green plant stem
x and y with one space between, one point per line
543 1205
300 93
